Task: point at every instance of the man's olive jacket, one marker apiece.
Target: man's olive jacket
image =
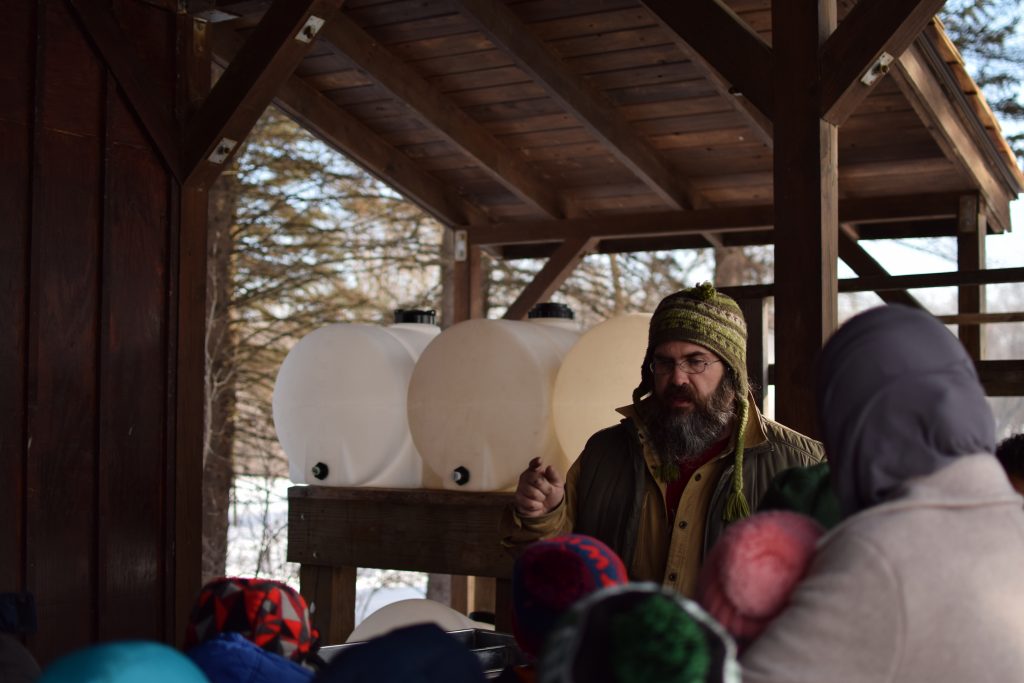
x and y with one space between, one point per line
612 493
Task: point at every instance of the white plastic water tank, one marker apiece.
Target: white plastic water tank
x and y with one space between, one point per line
340 403
480 398
597 376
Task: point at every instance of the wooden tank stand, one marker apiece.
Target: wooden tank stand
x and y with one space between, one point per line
332 531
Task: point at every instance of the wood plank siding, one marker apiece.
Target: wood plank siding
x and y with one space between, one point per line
89 257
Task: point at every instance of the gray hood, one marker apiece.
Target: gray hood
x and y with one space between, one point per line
898 397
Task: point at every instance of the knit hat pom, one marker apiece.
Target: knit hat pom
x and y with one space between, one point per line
656 641
553 574
752 570
638 633
705 291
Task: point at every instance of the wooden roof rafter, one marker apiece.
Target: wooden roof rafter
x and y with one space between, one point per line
505 29
864 264
559 267
505 165
281 39
872 28
350 136
725 43
936 100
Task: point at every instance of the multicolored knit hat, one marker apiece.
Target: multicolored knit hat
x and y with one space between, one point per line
637 633
751 571
269 613
702 315
553 574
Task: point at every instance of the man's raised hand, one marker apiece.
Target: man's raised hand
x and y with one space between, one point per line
540 490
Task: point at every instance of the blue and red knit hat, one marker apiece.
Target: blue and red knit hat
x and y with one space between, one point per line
550 576
270 613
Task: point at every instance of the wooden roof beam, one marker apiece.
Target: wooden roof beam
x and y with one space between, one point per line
720 220
629 226
507 31
970 255
273 50
931 99
878 283
503 164
352 138
725 42
551 276
864 264
114 46
739 238
873 28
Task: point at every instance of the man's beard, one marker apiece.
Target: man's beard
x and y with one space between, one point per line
679 436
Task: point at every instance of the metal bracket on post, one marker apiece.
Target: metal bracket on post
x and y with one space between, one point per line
878 69
220 154
461 247
309 30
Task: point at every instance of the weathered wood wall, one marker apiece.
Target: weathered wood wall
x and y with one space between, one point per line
92 398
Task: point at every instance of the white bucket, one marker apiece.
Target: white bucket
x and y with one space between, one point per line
480 400
340 405
408 612
597 376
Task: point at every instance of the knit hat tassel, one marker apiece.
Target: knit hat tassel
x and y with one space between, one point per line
736 505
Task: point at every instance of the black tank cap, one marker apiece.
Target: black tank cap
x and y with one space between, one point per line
550 309
416 315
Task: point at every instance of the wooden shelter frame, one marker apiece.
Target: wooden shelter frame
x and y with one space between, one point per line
720 123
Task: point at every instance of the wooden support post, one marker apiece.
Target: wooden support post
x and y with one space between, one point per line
460 593
864 264
462 298
332 593
482 592
757 349
503 605
806 206
551 276
187 358
970 242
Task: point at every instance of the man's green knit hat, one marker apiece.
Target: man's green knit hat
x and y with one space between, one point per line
702 315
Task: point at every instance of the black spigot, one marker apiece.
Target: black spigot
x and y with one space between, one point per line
320 471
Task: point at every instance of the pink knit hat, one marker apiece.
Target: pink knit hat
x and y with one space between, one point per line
752 569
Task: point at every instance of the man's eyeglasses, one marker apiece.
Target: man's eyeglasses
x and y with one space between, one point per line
691 366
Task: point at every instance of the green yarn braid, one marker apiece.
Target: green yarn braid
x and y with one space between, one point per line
736 505
657 641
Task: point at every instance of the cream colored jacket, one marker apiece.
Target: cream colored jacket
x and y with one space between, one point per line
926 588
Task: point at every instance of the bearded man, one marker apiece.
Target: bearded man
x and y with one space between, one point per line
691 454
